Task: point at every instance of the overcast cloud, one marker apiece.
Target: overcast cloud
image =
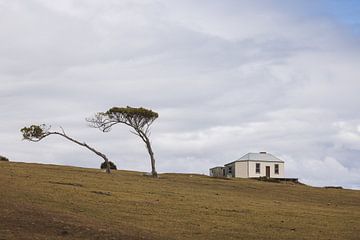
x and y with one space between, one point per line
226 77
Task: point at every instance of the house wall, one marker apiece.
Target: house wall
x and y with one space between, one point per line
227 172
263 164
217 172
241 169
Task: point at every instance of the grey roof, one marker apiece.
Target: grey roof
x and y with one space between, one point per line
262 156
217 167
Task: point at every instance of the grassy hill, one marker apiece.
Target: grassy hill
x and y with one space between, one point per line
57 202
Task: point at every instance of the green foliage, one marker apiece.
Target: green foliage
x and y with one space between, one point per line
137 118
5 159
266 179
34 131
112 165
131 112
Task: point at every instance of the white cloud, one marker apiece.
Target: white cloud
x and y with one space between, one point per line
348 135
325 172
226 77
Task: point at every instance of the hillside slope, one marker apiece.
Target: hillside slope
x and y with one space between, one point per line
57 202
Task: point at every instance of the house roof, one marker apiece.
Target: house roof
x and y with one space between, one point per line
217 167
261 156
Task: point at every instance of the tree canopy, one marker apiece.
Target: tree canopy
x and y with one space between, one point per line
139 119
35 133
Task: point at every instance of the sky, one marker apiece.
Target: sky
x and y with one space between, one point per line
226 77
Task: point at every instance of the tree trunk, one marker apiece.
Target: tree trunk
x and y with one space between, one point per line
152 158
88 147
107 163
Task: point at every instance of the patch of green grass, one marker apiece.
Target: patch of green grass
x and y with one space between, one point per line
57 202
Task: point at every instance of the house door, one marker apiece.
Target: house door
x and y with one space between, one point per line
268 171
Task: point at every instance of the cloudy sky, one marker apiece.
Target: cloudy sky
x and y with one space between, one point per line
226 77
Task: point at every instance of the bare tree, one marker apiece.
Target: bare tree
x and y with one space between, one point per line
35 133
139 119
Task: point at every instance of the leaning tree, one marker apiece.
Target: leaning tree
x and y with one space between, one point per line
139 119
35 133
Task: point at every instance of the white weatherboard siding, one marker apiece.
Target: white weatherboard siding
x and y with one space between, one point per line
263 164
241 169
245 167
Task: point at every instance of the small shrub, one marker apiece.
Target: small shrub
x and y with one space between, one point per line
265 179
112 165
2 158
334 187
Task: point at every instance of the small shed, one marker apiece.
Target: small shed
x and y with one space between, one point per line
217 172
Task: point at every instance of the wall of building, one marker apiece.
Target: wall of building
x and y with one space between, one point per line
247 169
263 164
227 172
217 172
241 169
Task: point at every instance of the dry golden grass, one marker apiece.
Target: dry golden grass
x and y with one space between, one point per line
57 202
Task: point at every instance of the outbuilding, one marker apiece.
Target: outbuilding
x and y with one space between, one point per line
217 172
252 165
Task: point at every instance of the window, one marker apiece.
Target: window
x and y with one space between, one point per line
230 170
276 169
257 170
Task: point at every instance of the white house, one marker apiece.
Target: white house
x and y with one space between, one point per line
252 165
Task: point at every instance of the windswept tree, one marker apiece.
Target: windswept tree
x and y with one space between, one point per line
139 119
35 133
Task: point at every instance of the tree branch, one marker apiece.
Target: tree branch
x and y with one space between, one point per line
139 119
36 133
